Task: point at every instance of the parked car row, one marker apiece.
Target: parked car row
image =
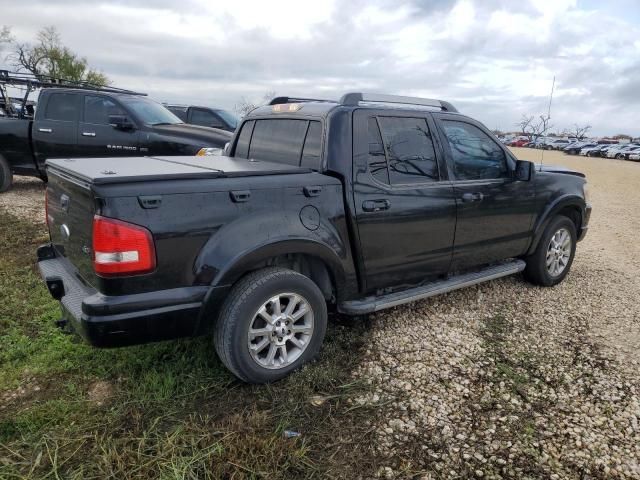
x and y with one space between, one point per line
588 148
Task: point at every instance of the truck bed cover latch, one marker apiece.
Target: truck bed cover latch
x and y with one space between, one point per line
240 196
150 201
312 191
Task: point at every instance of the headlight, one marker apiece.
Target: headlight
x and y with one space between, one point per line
207 151
586 192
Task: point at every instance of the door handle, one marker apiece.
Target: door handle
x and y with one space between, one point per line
88 134
472 197
376 205
45 130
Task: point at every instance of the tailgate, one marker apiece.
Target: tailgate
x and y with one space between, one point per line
70 210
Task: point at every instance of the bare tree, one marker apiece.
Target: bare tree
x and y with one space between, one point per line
580 131
541 127
50 58
525 125
245 105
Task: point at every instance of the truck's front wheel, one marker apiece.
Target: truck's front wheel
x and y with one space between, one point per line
272 323
6 176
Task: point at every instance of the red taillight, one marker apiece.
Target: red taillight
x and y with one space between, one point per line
121 248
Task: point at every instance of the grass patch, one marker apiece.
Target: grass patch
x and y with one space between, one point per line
170 410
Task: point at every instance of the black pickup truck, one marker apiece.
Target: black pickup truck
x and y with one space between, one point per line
71 123
351 206
205 116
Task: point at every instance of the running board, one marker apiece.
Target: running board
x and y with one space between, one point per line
376 303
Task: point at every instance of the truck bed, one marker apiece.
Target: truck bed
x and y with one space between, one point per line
101 171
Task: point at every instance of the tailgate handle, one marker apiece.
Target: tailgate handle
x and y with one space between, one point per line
240 196
312 191
150 201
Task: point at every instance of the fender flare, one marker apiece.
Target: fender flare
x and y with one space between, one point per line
560 203
245 260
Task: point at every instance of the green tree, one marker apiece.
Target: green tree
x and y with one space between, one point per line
50 58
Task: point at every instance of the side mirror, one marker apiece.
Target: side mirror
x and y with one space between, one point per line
524 170
120 122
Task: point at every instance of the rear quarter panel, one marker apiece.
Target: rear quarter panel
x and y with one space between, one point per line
203 237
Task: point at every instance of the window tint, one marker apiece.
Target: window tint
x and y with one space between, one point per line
278 140
410 154
475 155
312 147
62 106
180 112
98 109
204 118
377 160
242 147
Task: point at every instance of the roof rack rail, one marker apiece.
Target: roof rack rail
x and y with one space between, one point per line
43 81
281 100
354 98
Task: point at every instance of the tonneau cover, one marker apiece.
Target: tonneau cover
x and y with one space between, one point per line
100 171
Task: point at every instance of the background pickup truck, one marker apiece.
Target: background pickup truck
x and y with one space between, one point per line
205 116
71 123
355 206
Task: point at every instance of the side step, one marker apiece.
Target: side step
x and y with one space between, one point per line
376 303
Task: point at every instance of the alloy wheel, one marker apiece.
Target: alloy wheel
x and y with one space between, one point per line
280 331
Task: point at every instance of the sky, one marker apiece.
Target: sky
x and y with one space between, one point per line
495 60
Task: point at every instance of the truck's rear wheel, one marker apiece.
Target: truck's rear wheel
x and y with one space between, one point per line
6 176
552 259
272 323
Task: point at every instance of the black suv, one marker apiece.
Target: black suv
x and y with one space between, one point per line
354 205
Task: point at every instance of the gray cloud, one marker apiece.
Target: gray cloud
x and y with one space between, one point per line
494 72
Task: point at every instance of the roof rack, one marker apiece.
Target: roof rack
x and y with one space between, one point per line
281 100
43 81
33 82
354 98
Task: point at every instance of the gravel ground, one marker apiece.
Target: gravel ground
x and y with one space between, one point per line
25 199
508 380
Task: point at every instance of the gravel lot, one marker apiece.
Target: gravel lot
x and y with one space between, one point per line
508 380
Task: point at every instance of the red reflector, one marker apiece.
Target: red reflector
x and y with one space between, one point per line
121 248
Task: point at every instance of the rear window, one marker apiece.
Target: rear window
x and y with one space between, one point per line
62 106
281 140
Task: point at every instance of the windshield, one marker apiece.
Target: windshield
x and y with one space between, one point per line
228 117
150 112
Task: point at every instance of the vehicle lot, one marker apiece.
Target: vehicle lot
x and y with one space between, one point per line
499 380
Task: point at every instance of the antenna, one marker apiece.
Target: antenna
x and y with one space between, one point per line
553 85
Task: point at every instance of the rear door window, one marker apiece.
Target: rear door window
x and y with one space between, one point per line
289 141
62 107
408 146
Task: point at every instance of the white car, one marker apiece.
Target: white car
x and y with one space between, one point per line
619 152
635 157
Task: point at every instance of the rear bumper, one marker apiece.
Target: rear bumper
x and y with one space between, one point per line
112 321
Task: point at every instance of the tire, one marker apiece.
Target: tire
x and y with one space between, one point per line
537 271
6 176
240 314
